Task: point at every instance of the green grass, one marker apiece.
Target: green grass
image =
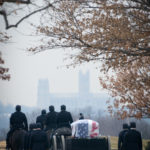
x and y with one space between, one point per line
114 143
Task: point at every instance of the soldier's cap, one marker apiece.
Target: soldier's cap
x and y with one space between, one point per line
125 126
18 108
43 112
63 107
51 108
132 125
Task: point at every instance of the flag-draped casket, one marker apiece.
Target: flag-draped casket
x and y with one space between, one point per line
85 128
85 136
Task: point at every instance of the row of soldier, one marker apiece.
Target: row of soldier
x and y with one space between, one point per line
53 119
45 122
129 138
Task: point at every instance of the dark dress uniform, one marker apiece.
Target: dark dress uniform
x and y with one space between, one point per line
39 140
51 119
133 140
64 119
27 137
27 140
121 139
42 119
17 120
81 116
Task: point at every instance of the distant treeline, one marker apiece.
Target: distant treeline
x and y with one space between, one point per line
112 125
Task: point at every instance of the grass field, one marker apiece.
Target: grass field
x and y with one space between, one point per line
114 141
2 145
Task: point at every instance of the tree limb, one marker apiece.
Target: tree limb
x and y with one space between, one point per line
3 13
15 1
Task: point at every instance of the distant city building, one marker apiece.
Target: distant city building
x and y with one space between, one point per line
73 101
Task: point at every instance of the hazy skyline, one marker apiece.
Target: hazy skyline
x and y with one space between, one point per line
26 69
83 98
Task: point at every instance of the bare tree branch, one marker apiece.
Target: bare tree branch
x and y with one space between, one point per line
15 1
23 18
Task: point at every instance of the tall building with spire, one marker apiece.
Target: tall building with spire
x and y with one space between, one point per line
84 98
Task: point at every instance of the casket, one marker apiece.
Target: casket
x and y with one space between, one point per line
85 128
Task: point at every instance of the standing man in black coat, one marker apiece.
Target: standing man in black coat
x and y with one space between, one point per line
133 139
42 118
121 136
38 140
64 118
17 120
51 119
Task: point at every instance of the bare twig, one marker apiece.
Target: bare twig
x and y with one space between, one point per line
23 18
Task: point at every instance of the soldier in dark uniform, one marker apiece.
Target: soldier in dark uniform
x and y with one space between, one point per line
64 118
64 121
42 118
32 126
39 140
51 118
121 136
81 116
51 123
17 120
133 139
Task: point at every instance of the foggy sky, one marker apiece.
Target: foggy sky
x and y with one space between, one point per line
26 69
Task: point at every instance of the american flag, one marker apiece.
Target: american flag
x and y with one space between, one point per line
85 128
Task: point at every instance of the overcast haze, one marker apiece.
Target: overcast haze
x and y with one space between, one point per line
26 69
